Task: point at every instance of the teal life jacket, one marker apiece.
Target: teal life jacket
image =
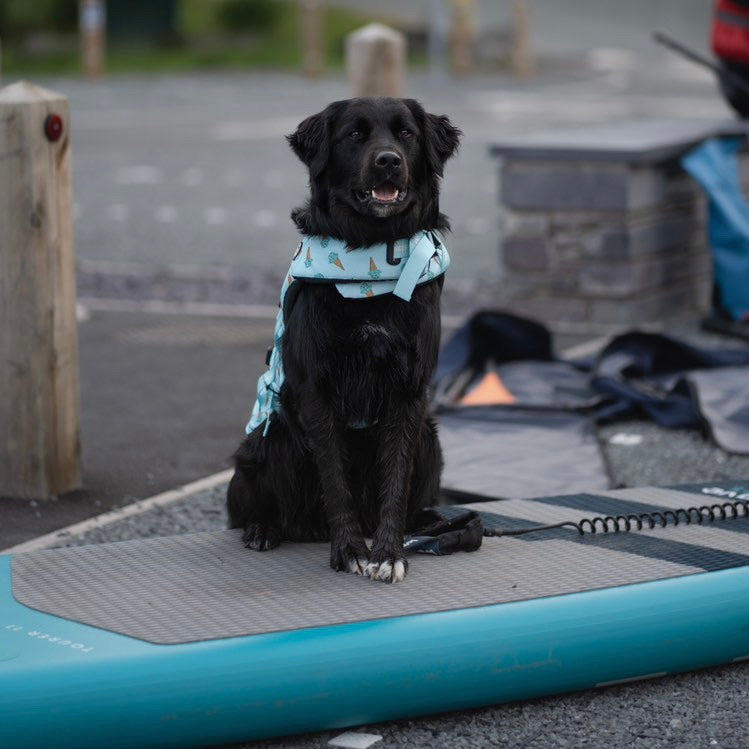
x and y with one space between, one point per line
390 268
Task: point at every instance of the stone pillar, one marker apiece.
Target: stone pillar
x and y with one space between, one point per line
602 228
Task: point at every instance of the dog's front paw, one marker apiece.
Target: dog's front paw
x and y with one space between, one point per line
391 570
349 557
260 537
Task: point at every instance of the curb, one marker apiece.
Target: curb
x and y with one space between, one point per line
112 516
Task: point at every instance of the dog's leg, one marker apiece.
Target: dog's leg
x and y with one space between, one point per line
348 550
252 514
426 472
252 500
398 438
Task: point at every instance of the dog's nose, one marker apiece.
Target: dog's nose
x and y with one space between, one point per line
387 159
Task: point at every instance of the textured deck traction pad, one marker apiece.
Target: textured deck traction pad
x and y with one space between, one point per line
206 585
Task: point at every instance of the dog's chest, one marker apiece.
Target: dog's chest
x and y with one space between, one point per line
369 348
372 365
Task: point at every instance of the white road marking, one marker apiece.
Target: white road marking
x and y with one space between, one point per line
240 130
119 212
192 177
166 214
234 178
265 219
207 309
275 179
138 175
214 216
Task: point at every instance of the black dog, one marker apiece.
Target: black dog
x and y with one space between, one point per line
314 472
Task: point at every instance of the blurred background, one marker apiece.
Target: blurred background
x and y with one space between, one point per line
170 35
180 107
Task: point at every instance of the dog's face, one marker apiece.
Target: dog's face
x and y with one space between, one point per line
375 166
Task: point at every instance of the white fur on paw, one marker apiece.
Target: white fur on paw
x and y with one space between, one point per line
387 571
358 565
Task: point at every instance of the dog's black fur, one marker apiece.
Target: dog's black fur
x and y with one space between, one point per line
375 167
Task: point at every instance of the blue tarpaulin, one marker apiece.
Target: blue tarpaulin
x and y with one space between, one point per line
714 165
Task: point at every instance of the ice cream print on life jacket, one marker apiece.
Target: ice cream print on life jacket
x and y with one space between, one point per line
391 268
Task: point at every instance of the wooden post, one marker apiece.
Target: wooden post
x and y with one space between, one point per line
39 389
313 62
93 24
376 61
522 58
463 35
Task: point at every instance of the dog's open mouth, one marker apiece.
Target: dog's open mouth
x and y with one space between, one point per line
385 194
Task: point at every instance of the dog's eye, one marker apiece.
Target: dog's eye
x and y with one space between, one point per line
405 133
356 135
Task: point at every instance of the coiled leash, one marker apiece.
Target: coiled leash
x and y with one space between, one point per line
466 531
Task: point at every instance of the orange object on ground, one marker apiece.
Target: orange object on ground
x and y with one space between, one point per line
491 391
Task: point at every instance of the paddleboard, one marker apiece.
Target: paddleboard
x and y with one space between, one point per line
192 640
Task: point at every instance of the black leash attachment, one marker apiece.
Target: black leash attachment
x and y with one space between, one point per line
441 536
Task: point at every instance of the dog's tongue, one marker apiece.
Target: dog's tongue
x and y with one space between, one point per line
385 193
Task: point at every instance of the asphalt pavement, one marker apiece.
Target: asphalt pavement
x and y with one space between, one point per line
183 186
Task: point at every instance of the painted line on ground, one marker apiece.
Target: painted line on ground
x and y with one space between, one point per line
208 309
112 516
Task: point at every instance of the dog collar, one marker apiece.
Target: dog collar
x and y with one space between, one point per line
391 268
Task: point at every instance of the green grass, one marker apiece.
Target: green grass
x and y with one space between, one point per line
204 47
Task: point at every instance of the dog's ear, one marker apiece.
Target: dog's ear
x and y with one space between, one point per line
441 137
311 140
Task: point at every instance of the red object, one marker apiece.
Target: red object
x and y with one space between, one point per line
730 31
53 127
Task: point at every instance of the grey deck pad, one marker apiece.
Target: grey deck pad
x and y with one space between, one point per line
206 585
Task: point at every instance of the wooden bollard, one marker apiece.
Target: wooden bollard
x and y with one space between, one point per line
39 385
522 58
463 35
376 61
313 57
93 25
